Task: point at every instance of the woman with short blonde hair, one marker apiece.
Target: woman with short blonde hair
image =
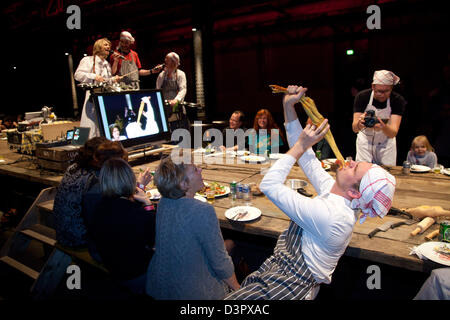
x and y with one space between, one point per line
190 261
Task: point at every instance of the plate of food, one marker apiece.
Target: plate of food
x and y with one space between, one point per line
253 159
446 171
326 166
436 251
275 156
219 189
153 194
243 153
419 168
243 213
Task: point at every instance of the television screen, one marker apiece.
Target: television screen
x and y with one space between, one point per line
132 117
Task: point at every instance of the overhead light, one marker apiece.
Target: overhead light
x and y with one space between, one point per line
66 53
350 52
194 29
85 55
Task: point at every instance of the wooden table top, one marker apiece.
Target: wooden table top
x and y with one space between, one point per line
391 247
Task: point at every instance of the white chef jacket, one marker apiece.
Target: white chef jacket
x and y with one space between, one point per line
327 220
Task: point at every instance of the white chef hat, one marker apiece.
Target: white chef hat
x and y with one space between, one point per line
377 189
385 77
175 57
126 36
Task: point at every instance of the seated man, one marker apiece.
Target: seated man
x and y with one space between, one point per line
307 253
231 132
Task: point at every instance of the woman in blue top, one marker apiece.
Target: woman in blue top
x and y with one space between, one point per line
266 135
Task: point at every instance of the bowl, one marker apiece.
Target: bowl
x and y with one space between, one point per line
295 184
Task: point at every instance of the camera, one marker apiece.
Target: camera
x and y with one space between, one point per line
370 120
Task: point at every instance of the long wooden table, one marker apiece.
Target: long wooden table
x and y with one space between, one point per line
391 247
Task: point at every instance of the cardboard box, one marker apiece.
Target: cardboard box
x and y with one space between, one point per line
57 130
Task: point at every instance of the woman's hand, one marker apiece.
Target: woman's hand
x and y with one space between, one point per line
145 177
99 78
142 197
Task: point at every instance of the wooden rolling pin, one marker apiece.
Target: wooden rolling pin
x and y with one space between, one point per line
423 225
431 235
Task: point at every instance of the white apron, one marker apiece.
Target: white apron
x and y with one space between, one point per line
374 146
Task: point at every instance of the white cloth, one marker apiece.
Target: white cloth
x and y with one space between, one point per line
377 189
127 36
85 74
385 77
327 220
374 146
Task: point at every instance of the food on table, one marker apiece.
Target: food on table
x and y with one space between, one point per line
219 189
443 249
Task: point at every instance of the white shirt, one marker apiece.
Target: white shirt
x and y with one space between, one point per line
85 71
327 220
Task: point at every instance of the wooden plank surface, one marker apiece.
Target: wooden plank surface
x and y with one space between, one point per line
391 247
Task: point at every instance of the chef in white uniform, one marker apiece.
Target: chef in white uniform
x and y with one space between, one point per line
377 144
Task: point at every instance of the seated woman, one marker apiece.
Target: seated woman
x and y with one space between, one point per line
123 226
266 134
69 224
190 261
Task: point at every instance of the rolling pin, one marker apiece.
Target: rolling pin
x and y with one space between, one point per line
431 235
423 225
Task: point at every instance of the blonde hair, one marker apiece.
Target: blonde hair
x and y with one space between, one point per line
168 178
423 140
98 46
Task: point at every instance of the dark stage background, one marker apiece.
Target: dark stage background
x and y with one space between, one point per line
247 45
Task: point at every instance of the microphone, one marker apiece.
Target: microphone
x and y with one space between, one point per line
120 56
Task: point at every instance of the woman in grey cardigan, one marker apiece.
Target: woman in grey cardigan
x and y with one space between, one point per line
190 260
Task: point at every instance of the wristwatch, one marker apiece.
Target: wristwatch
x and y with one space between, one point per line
141 186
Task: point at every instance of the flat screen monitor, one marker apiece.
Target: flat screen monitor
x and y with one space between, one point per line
133 117
80 135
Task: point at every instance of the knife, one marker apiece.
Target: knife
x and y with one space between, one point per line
383 228
407 222
398 212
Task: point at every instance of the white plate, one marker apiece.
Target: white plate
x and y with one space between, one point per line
276 156
419 168
253 159
153 194
329 161
252 213
428 250
243 153
227 191
200 198
446 171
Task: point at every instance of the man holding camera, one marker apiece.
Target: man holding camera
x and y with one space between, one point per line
377 114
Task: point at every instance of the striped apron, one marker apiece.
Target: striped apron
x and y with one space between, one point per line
283 276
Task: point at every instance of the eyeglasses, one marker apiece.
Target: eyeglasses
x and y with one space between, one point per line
381 91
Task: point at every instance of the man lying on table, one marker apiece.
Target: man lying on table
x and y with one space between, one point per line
307 253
